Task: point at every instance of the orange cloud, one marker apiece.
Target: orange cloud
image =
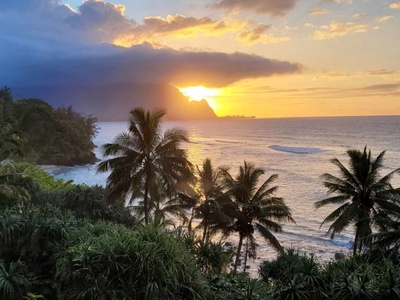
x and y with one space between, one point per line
257 35
336 29
383 19
359 16
395 5
318 11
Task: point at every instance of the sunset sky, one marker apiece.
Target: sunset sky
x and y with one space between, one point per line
268 58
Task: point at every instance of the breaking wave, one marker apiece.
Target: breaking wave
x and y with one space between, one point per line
296 150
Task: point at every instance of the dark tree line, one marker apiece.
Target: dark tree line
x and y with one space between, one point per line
34 131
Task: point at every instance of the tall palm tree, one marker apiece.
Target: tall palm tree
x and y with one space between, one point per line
255 207
208 199
361 192
143 157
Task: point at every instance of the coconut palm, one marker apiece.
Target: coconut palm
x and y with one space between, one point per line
144 156
255 207
208 199
362 193
388 223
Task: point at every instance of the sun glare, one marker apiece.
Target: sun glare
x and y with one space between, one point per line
198 93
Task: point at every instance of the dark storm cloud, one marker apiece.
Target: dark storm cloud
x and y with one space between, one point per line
55 45
146 64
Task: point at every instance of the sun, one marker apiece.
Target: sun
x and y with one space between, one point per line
198 93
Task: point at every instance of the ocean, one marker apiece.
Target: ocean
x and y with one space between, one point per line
297 149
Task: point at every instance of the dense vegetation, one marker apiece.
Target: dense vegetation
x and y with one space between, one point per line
65 241
43 134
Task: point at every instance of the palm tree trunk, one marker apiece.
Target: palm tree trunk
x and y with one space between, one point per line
245 256
146 198
355 244
238 253
205 231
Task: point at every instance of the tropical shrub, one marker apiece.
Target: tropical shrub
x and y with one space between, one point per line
124 264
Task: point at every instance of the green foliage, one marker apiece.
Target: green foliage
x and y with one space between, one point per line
61 257
211 257
46 135
239 287
13 282
124 264
44 181
145 159
254 206
90 203
296 276
14 186
363 195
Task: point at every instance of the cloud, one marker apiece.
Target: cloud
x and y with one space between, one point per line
381 72
257 35
112 64
55 45
103 20
336 29
392 89
383 19
359 16
156 27
268 7
338 1
395 5
318 11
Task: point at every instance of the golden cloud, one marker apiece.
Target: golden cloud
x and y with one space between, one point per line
383 19
395 5
359 16
318 11
258 35
337 29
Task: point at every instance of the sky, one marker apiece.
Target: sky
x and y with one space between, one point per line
267 58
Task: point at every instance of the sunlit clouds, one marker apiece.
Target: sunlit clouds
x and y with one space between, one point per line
318 11
395 5
337 29
262 57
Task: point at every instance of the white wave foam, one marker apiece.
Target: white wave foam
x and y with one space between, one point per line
347 244
296 150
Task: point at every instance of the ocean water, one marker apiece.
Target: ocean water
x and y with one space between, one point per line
297 149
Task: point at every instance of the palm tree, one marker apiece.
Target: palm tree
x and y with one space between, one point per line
255 207
362 193
144 156
388 223
208 199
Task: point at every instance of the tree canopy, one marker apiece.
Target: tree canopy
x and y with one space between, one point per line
46 135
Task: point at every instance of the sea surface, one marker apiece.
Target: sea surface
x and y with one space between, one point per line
297 149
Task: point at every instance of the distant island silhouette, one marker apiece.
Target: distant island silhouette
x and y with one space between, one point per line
113 102
236 117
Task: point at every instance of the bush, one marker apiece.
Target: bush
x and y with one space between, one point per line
124 264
